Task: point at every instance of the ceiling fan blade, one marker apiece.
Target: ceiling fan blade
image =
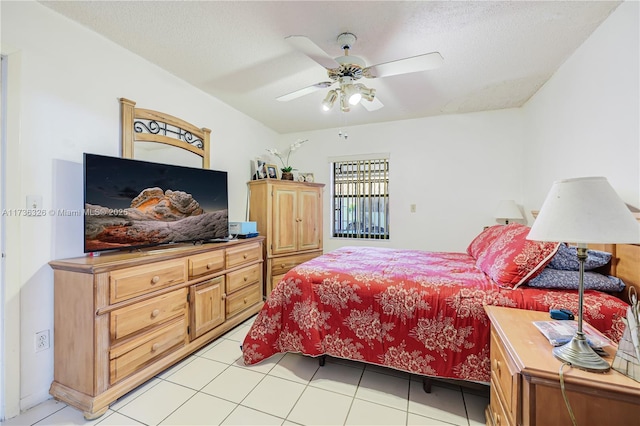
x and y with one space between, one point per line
304 91
373 105
305 45
425 62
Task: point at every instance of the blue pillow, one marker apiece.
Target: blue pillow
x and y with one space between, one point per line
566 259
568 280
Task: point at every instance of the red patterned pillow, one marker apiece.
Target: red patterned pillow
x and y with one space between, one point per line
481 243
512 259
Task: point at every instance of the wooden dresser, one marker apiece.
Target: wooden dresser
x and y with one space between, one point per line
289 215
525 383
121 318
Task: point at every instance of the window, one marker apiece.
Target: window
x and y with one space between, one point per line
361 198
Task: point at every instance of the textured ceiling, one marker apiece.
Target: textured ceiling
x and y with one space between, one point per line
496 54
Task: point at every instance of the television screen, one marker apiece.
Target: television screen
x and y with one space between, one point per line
132 203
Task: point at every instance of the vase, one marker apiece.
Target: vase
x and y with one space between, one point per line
287 176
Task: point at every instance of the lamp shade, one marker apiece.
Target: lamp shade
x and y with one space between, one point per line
508 209
584 210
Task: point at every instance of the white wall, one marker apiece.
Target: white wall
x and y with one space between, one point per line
65 82
455 168
585 121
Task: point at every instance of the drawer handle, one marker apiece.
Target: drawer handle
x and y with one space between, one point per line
155 313
155 279
245 279
496 366
224 296
498 422
245 255
245 300
283 265
155 347
209 265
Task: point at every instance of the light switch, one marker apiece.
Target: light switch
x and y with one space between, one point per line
413 208
34 201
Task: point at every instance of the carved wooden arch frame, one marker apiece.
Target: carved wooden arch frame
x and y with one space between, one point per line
145 125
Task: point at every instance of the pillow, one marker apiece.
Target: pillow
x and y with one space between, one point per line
511 259
568 280
484 239
566 259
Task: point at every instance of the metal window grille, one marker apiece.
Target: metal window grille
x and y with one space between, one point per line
361 199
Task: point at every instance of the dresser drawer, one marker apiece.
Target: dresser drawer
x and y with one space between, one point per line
244 277
282 265
243 254
505 378
131 319
242 299
135 354
497 413
206 263
138 280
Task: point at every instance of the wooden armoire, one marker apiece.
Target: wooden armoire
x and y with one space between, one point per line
289 215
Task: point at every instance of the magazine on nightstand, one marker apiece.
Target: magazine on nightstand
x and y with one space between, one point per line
559 332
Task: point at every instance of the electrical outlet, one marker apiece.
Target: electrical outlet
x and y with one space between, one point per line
42 340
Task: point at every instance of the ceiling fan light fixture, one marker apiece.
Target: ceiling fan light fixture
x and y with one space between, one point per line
366 92
352 93
329 100
344 102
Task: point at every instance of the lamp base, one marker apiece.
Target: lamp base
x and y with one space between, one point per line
579 354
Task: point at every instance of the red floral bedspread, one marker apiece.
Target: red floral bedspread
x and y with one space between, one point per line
416 311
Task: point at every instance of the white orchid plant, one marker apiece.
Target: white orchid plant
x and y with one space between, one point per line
284 156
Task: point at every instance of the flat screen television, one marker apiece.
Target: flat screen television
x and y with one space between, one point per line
132 203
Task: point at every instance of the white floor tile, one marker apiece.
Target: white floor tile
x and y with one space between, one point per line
69 416
369 413
157 403
177 366
384 389
128 397
441 404
274 395
296 367
475 406
233 384
320 407
36 413
206 347
341 392
202 409
117 419
244 416
239 333
197 373
416 420
386 370
227 351
263 366
337 378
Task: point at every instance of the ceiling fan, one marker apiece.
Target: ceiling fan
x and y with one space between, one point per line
346 70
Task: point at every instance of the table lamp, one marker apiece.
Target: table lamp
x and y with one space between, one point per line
581 211
508 210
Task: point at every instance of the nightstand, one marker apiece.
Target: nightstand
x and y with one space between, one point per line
525 382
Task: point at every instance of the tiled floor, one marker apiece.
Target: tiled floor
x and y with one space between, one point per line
213 387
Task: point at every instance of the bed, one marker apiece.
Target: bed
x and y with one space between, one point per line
422 312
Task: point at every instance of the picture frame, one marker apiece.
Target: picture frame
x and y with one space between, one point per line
272 171
258 169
